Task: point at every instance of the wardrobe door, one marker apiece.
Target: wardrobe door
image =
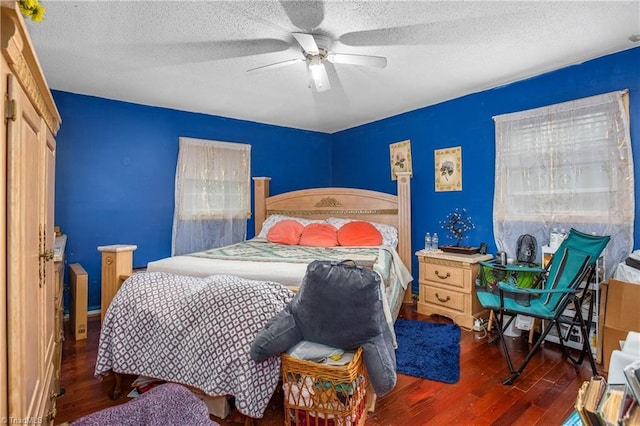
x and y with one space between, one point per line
30 266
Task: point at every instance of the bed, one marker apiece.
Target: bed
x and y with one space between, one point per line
271 272
333 204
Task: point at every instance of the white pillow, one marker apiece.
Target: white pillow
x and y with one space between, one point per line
389 233
275 218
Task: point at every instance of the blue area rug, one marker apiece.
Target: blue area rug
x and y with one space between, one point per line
428 350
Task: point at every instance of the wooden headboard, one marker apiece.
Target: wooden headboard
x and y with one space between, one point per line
362 204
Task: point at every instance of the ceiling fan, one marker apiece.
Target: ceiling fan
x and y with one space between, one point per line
315 51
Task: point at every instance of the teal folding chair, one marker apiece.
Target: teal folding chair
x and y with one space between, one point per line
556 287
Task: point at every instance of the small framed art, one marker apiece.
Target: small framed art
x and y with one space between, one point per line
400 158
448 162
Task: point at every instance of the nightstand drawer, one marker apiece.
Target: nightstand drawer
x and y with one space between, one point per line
445 298
444 274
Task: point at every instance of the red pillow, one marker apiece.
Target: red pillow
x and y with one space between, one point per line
285 232
319 235
358 233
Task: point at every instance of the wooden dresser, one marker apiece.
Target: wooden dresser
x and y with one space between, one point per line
447 286
59 261
28 334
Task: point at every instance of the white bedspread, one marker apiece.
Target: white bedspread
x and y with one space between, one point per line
194 331
288 274
258 259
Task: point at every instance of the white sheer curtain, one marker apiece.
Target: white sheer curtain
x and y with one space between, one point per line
562 166
212 195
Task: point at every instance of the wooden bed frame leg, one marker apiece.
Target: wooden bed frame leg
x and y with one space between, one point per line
116 391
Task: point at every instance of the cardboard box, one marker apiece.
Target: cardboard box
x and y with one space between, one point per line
78 284
611 341
218 406
623 305
621 315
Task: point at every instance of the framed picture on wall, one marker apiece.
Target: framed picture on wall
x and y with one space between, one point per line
400 158
448 168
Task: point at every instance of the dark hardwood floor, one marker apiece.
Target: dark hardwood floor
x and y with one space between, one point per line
543 395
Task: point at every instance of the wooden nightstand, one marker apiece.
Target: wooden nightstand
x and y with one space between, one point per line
447 286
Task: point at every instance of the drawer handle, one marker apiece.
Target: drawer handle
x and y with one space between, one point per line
441 299
442 277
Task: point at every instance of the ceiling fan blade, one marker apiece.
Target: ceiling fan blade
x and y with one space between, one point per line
306 15
457 31
337 93
364 60
278 64
320 77
146 55
307 42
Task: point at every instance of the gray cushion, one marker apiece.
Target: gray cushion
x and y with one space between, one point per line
338 305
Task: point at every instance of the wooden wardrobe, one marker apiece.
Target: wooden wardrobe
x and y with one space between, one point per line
30 303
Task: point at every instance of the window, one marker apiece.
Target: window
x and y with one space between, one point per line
212 195
562 166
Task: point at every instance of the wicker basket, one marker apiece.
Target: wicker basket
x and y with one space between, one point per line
323 395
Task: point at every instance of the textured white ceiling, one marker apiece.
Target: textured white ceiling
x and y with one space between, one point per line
194 56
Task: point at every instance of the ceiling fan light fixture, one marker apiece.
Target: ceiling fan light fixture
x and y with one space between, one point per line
318 74
315 65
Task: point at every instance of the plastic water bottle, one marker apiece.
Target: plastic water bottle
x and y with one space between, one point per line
554 239
427 242
434 242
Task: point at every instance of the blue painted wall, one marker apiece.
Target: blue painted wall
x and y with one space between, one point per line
115 171
467 122
116 161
